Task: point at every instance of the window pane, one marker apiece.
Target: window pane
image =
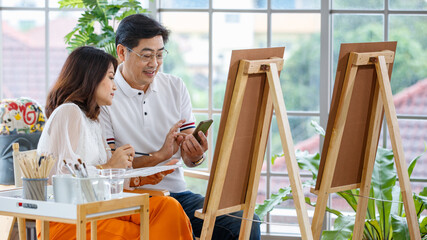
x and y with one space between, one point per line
145 3
22 3
414 140
55 4
417 187
188 55
290 4
409 76
300 34
408 4
352 28
197 185
23 55
184 4
304 136
233 31
215 127
339 203
60 24
239 4
262 190
360 4
284 216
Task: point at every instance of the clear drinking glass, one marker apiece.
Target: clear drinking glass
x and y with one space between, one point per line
116 176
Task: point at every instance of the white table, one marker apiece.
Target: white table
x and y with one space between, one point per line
12 204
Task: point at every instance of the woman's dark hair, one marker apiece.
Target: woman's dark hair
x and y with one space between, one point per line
81 74
136 27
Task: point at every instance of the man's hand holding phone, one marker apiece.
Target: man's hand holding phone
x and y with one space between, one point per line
204 127
194 145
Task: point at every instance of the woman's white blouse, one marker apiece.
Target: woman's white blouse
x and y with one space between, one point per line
70 135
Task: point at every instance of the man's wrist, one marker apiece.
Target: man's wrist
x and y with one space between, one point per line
198 162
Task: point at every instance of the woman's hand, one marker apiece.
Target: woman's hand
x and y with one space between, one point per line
134 182
158 177
122 157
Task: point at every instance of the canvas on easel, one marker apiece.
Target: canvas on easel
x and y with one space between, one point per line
362 94
253 90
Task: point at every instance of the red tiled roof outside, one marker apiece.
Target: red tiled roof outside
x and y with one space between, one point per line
24 59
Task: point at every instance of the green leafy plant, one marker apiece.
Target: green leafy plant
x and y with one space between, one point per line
98 13
385 218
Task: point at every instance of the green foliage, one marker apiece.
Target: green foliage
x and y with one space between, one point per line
300 76
400 227
343 228
98 14
319 130
305 161
275 199
383 180
385 218
423 227
410 64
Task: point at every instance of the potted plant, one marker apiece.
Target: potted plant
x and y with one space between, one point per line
98 12
385 218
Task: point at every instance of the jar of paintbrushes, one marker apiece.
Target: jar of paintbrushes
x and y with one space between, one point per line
80 186
36 173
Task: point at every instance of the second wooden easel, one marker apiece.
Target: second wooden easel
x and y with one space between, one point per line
382 99
271 95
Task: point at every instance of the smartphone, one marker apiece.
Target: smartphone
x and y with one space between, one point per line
203 126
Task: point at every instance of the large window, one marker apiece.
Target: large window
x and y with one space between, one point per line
203 34
311 31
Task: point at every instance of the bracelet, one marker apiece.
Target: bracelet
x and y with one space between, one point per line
200 161
99 166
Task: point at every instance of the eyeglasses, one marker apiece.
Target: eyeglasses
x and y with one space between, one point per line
148 57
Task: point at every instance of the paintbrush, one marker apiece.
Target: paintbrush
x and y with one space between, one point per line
84 170
138 153
69 169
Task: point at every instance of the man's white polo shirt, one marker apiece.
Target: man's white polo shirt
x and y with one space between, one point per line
144 119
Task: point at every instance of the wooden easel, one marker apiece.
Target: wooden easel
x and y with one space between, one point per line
271 96
382 99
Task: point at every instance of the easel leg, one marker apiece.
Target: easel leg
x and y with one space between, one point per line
246 226
370 154
208 226
225 153
289 151
263 130
319 214
401 168
334 146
